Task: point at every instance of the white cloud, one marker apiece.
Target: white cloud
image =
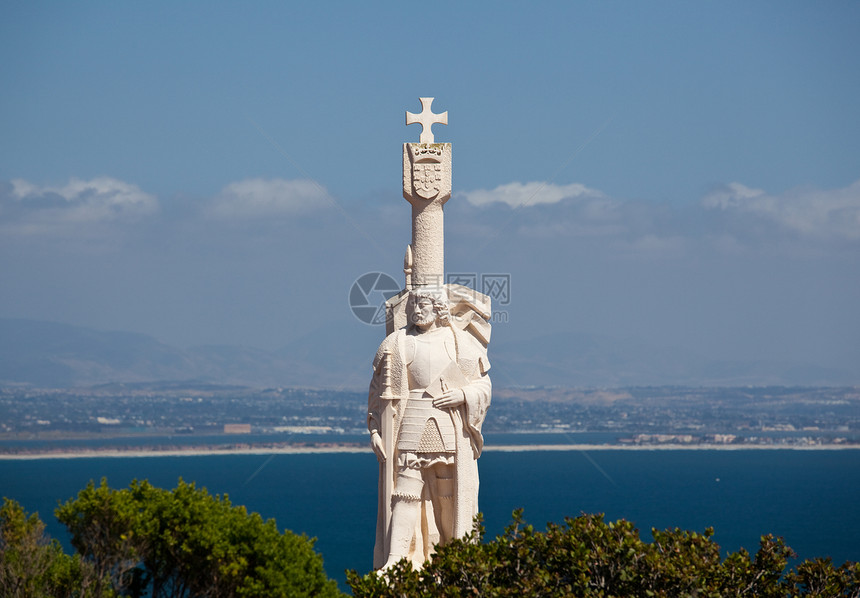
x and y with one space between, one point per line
101 198
810 212
29 208
529 194
582 215
733 220
263 198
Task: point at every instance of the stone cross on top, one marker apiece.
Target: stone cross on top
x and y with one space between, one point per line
426 119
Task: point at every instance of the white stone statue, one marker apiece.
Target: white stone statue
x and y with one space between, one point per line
430 388
440 376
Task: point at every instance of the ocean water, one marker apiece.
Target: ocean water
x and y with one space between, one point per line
811 498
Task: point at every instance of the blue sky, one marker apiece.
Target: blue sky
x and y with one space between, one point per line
222 172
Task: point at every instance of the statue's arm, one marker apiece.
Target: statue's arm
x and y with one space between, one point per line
374 410
375 404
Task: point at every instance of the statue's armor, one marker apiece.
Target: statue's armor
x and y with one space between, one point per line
425 428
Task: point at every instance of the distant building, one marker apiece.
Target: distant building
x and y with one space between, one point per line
237 428
724 438
305 429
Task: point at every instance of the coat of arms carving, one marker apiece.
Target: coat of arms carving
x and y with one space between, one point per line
426 179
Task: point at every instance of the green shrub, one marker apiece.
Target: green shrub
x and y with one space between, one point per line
588 557
184 542
32 566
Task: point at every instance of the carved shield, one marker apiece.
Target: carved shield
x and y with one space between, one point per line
426 179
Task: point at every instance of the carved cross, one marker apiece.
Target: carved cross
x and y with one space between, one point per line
426 119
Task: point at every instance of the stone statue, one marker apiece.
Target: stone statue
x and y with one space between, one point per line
430 388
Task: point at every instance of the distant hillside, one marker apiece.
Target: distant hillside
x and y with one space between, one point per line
49 354
338 355
570 359
56 355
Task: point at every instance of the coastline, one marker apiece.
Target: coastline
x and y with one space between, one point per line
335 449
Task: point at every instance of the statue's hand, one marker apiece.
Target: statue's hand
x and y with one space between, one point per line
452 398
376 445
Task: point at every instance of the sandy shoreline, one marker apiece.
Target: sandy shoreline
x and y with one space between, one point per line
514 448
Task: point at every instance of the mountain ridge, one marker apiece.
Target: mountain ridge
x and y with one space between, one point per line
338 355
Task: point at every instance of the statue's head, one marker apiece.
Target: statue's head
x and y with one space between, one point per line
427 306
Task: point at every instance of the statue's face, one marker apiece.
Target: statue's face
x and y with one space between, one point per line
423 313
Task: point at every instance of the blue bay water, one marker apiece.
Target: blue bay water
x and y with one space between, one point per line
808 497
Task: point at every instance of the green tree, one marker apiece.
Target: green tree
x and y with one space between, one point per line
587 556
32 566
186 542
818 577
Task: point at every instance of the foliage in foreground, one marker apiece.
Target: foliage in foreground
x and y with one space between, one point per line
31 566
146 541
589 557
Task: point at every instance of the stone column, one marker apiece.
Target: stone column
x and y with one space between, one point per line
427 186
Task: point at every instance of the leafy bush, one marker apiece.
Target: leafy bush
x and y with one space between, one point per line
145 541
589 557
31 566
148 541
